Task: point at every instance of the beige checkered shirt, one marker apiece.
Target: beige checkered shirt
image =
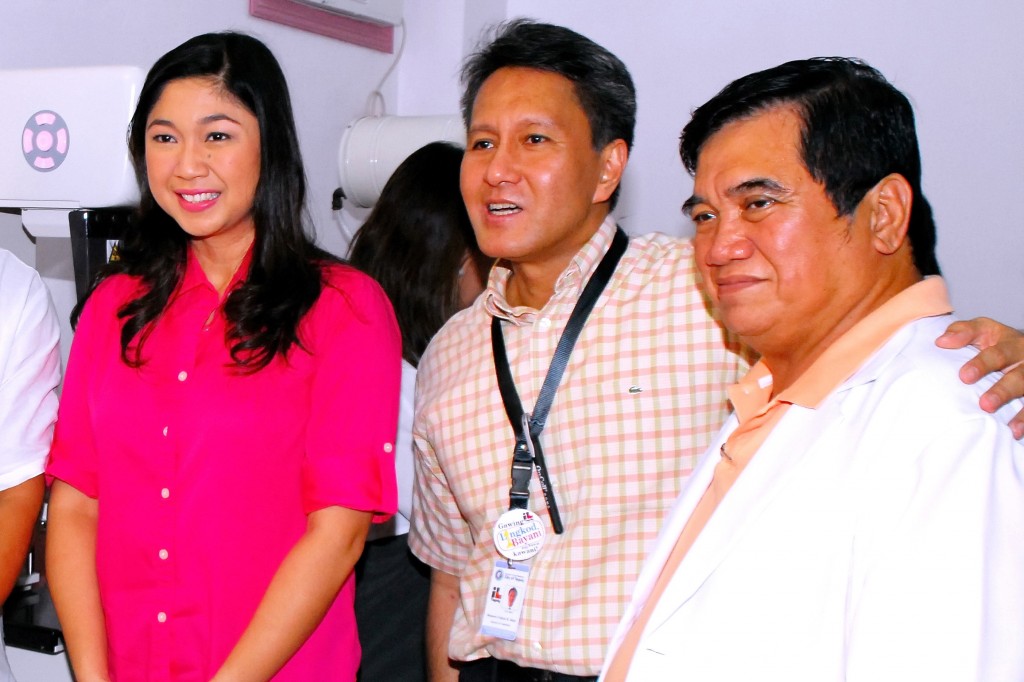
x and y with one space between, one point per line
642 395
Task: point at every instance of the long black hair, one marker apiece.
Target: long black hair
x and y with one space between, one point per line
285 277
414 242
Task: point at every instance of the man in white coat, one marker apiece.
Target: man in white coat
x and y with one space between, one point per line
857 518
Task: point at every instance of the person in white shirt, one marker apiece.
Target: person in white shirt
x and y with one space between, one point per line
29 374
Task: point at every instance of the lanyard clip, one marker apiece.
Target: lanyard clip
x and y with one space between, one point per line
528 436
522 472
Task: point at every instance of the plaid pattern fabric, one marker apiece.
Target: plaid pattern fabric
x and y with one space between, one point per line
642 395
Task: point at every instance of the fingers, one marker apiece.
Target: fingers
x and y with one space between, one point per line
959 334
1010 386
1003 350
1017 425
1002 356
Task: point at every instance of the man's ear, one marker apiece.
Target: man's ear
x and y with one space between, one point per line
892 198
613 162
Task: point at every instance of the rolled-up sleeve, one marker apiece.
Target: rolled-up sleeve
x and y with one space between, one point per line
74 457
29 372
439 535
350 443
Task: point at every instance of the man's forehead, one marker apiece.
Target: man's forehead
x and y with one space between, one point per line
766 139
781 123
513 79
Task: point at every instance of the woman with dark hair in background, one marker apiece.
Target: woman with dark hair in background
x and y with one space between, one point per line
418 243
225 431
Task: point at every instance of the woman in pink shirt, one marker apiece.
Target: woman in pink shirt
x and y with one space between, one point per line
226 429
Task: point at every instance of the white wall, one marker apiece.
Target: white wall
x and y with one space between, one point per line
958 62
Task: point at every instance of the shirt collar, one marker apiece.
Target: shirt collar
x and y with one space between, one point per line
752 395
195 277
569 283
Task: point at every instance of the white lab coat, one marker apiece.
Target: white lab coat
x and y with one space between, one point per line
878 537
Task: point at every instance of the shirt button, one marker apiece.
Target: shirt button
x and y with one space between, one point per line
544 324
161 617
165 493
388 447
182 375
165 431
163 554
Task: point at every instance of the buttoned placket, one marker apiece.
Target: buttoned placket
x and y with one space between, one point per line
543 341
197 320
543 335
546 330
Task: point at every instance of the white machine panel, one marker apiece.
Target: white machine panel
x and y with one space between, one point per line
63 137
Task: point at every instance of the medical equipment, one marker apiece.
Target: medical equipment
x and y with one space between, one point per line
64 161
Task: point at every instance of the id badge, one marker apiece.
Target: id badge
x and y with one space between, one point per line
505 597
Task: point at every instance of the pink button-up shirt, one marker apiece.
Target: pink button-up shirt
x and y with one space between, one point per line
204 474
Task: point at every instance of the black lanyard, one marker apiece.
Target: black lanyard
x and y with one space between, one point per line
527 427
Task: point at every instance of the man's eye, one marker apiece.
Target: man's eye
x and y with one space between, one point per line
482 144
760 202
535 139
701 217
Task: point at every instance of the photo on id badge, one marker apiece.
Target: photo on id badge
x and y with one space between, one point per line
504 606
